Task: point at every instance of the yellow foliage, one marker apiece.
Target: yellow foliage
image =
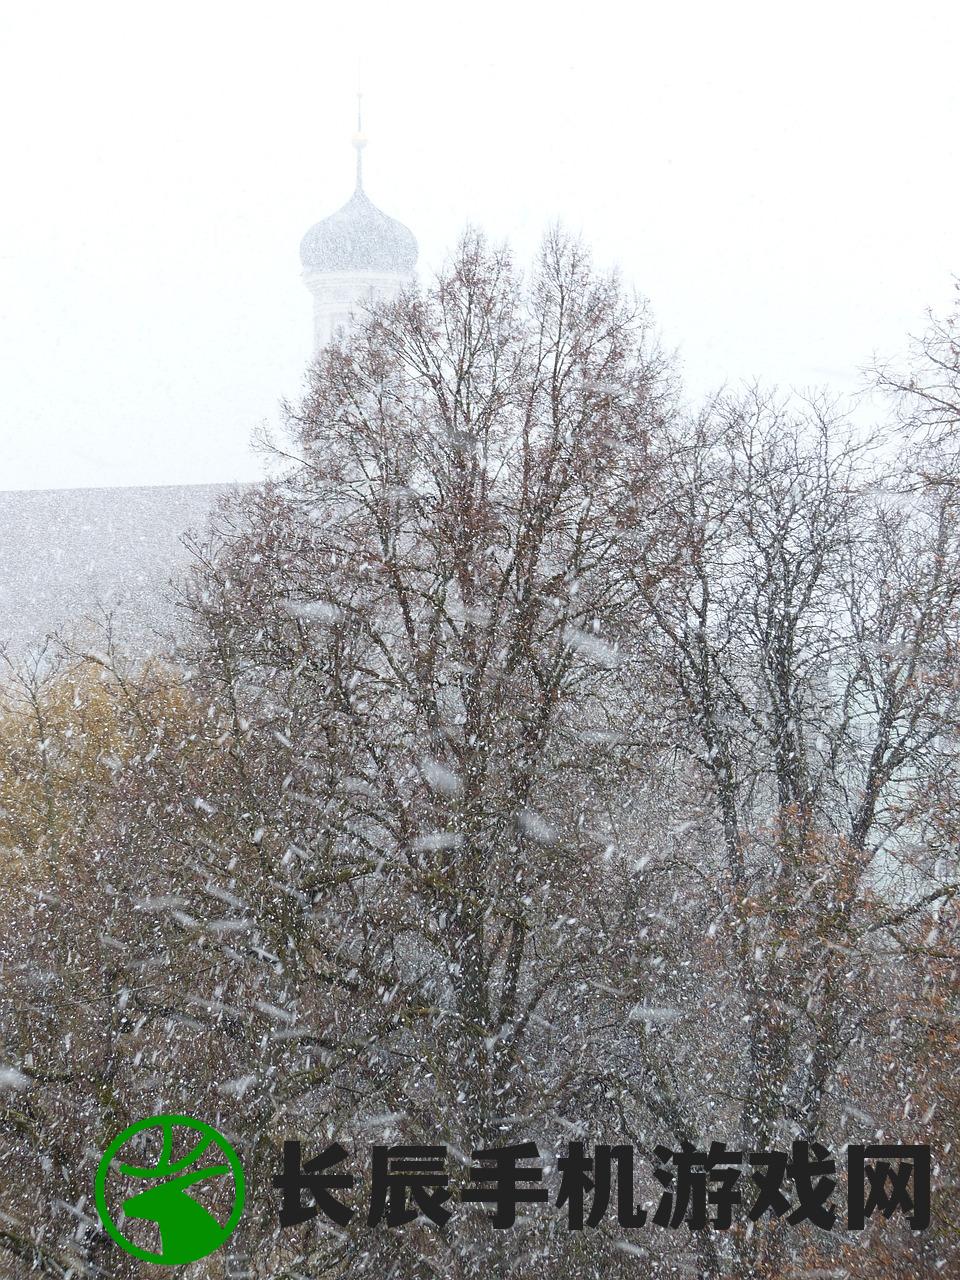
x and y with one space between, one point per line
62 739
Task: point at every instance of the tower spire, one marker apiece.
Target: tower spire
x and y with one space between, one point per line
359 141
356 255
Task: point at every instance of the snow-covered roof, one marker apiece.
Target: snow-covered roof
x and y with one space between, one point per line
68 555
359 237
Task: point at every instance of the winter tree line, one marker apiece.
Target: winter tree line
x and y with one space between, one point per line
545 760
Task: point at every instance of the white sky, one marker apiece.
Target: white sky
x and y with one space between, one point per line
781 181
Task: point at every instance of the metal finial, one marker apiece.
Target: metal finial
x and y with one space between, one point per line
359 141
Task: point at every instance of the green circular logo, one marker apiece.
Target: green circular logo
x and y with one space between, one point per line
187 1229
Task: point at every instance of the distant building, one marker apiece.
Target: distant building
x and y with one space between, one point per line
69 556
357 255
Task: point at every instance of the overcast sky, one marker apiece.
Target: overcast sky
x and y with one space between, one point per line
782 181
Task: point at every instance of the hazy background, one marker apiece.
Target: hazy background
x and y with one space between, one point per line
781 181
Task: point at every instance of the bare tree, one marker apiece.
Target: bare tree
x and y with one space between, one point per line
432 618
811 645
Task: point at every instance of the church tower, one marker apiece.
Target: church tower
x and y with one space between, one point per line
357 255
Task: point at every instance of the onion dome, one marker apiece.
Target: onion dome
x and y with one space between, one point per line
359 237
